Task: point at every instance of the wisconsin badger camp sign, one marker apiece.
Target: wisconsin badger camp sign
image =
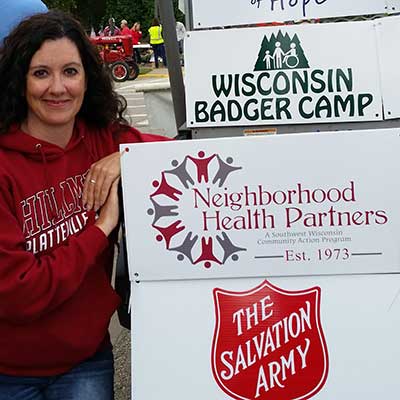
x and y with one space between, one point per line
265 268
283 75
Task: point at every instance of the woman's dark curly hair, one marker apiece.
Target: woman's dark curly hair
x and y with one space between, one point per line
101 105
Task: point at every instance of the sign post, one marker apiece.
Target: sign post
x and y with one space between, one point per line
264 267
268 268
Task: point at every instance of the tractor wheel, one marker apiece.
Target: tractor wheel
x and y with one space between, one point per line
119 71
133 71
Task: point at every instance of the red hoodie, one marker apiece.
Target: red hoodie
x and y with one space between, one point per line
55 294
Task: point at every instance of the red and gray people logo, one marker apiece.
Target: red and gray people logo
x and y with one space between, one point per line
198 248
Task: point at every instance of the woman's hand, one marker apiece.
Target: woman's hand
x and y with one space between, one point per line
109 212
102 174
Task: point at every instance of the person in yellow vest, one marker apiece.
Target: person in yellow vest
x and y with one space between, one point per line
157 42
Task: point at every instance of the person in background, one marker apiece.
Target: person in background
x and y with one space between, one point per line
157 42
125 29
136 38
61 124
180 34
12 12
111 29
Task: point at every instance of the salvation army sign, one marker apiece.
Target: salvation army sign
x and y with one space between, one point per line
283 75
288 338
241 12
207 208
269 343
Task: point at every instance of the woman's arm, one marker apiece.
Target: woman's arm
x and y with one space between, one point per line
33 285
103 173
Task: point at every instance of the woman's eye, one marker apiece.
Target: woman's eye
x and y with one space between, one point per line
71 71
40 73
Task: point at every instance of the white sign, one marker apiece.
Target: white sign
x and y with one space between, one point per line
388 32
393 6
319 337
209 13
283 75
310 204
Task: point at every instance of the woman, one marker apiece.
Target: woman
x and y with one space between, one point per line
136 38
157 42
60 127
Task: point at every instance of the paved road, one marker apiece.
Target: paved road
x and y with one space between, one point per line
136 112
150 107
122 364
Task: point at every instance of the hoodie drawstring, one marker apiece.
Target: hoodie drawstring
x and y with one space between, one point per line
44 161
91 155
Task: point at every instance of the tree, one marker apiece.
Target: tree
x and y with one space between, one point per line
89 12
65 5
95 13
135 10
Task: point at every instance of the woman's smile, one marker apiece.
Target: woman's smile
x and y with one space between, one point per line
57 103
55 89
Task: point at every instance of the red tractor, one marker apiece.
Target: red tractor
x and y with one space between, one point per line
117 53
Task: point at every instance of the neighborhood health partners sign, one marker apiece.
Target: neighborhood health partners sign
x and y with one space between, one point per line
263 206
209 13
283 75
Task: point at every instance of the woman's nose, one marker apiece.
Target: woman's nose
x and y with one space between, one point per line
57 84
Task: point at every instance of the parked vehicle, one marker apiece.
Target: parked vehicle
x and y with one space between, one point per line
117 53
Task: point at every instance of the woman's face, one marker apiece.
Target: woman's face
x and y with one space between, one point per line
55 85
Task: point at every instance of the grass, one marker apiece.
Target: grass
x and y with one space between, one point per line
144 70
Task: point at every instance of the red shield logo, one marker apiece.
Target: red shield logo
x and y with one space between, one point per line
269 344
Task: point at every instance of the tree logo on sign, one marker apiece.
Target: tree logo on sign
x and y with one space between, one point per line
281 52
